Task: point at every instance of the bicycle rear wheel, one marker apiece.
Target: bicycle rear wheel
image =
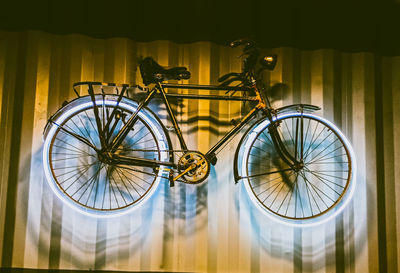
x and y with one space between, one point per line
316 188
75 170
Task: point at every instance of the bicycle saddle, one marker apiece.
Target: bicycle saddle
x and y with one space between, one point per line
152 72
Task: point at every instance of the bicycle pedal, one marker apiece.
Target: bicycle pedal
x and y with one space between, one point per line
213 159
171 179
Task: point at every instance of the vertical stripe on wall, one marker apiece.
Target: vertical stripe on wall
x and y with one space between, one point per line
213 226
10 227
9 66
380 165
395 206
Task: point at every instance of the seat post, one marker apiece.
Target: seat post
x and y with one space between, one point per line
172 116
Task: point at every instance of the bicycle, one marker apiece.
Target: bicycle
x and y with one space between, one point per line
107 153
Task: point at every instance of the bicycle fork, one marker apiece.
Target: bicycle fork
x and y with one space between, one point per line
283 153
292 160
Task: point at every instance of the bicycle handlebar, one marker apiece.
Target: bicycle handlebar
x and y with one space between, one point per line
239 42
253 56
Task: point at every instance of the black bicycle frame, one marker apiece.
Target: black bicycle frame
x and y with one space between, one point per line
159 89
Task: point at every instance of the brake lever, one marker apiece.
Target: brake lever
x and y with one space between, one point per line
233 79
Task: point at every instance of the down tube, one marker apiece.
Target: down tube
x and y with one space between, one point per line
231 133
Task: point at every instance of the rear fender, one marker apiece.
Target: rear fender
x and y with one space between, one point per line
85 99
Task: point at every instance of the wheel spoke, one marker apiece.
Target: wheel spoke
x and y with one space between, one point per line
268 173
86 130
278 177
78 169
324 158
129 181
325 179
78 137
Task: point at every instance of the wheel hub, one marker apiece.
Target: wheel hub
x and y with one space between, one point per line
104 157
298 166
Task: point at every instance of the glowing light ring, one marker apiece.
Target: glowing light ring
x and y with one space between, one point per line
309 222
145 115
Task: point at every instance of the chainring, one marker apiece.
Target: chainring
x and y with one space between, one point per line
196 166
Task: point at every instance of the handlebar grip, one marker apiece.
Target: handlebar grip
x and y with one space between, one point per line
235 43
184 75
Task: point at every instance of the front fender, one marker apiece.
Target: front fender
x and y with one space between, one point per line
236 167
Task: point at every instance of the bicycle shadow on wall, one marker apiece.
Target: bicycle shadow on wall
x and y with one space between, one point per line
193 202
312 247
183 202
57 228
126 238
308 247
59 221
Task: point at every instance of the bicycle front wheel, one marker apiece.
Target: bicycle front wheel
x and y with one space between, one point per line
317 187
75 169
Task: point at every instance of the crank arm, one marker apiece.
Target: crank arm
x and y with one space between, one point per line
187 170
182 173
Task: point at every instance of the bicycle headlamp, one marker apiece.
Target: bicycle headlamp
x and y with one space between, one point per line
269 62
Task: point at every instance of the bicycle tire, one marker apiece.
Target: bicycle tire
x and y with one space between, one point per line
77 175
311 194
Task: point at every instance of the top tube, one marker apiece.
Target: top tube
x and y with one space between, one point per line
209 87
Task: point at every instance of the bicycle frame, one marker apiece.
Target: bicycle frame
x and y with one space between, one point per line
165 168
160 89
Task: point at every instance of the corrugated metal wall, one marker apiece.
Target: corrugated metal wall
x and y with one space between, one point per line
213 226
